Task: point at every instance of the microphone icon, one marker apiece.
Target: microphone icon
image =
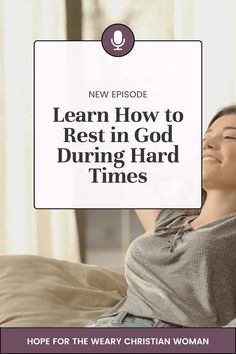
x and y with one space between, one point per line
118 41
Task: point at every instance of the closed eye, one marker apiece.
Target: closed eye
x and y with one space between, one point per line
227 137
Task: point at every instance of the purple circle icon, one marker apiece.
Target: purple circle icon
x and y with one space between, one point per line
117 40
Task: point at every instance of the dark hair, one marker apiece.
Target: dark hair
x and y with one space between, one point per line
223 111
226 110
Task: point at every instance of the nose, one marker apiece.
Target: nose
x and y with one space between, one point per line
210 143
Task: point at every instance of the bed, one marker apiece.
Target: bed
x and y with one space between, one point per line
42 292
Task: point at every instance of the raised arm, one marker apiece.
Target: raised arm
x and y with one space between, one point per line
147 217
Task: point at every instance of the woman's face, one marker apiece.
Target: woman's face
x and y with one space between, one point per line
219 154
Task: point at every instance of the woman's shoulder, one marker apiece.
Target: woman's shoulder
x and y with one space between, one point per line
168 217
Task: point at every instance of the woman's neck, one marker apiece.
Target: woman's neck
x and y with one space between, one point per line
217 205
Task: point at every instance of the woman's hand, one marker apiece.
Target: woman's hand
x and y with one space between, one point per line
147 217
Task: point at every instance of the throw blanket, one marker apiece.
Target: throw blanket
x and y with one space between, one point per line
43 292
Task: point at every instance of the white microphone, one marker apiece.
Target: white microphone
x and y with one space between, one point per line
118 41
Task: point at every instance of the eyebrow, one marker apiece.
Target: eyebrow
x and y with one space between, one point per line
225 128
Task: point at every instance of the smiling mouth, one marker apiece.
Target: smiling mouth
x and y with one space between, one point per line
211 158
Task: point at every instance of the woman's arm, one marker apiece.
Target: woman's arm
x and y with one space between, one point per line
147 217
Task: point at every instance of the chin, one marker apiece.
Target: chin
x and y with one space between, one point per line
209 182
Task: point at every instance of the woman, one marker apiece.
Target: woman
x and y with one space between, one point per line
181 272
